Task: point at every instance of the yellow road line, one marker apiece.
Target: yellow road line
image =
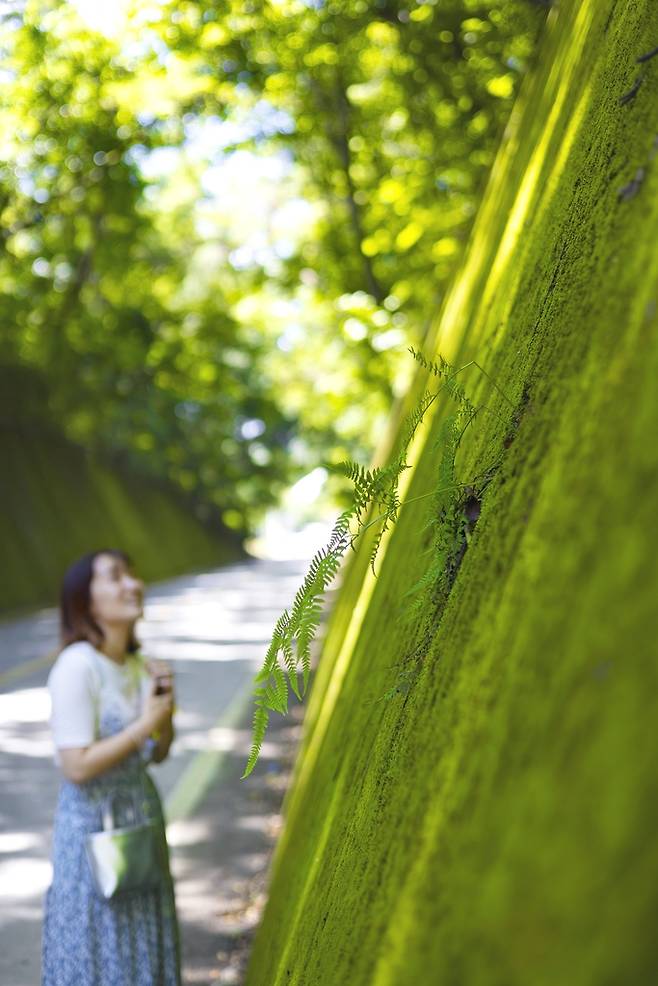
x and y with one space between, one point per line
207 766
27 668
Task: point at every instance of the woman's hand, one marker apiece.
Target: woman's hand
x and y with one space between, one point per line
81 764
163 676
157 711
157 715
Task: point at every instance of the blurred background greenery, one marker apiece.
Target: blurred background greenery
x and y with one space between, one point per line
224 223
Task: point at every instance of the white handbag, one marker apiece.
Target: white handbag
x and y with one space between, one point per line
125 859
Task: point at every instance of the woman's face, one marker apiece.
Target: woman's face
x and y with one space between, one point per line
115 593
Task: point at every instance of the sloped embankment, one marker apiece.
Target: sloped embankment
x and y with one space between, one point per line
56 503
494 823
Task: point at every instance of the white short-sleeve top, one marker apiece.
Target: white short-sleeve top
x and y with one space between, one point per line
84 683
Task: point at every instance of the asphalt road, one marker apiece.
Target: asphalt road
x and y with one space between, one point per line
214 628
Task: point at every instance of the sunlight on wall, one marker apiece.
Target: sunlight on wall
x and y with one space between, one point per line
566 144
309 881
562 76
450 330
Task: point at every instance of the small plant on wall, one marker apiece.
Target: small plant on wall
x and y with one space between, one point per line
453 516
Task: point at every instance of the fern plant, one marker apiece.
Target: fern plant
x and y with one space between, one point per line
289 648
452 516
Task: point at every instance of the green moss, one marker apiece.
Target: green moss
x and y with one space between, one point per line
495 825
57 502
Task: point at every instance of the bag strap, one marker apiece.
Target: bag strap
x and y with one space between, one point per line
99 680
108 814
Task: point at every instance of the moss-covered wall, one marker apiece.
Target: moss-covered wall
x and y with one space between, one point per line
496 824
57 502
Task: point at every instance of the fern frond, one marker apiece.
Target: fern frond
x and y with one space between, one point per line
305 657
260 721
269 696
358 473
378 540
281 689
291 666
411 422
341 530
276 645
441 369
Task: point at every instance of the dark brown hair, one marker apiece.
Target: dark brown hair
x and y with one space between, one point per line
76 621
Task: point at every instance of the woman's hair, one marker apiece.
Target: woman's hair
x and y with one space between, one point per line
76 621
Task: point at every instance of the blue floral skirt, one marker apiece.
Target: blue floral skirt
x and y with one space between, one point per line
131 940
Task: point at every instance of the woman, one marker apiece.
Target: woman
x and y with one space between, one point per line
111 715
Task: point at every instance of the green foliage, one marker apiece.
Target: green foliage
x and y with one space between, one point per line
395 110
93 277
118 273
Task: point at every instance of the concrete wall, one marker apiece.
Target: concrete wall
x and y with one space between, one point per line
495 823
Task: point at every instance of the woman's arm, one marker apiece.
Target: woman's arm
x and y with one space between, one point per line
164 741
81 764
